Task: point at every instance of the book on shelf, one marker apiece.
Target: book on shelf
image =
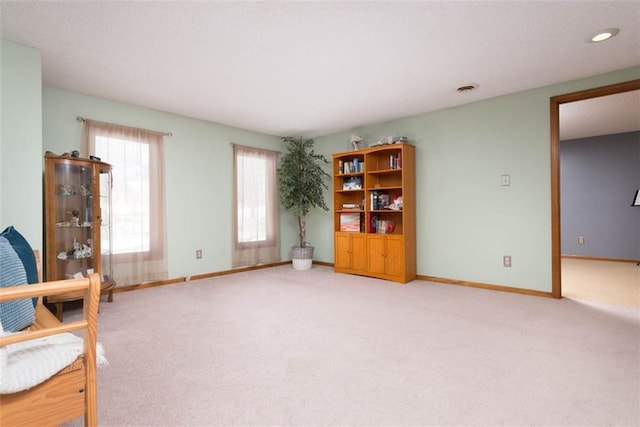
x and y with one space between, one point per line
354 166
385 226
350 222
395 161
379 201
350 206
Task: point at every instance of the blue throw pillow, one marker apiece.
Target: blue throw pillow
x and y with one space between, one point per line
25 252
14 315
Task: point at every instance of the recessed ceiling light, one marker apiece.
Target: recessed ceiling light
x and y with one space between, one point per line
468 87
603 35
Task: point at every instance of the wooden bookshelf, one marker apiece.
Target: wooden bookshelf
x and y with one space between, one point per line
374 212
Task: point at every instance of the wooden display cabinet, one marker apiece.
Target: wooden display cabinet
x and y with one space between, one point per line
374 212
77 223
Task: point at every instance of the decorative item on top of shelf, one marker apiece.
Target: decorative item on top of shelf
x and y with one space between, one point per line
386 140
301 183
399 140
75 154
63 155
354 141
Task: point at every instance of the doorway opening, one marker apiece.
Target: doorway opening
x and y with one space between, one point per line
555 102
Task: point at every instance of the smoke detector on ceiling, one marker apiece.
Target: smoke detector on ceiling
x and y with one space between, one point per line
468 87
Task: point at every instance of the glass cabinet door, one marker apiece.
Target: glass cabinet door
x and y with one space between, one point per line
74 221
105 224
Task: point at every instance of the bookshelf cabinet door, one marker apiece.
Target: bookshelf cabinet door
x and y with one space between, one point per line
358 252
342 248
386 256
351 251
394 259
376 254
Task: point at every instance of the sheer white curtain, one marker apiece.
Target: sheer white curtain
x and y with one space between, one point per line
138 241
256 219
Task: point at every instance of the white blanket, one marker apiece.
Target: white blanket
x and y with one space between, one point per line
26 364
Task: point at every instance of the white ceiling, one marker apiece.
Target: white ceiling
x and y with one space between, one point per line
600 116
314 68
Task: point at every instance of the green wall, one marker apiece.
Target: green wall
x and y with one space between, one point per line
21 141
467 221
198 172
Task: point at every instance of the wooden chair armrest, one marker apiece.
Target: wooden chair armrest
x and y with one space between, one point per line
45 323
46 288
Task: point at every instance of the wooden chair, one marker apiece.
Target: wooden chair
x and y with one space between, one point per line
72 392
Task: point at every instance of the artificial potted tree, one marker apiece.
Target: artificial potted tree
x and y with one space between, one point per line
301 182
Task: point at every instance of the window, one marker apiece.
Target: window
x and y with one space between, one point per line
131 198
256 214
137 198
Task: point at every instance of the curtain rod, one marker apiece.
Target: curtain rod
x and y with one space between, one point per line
233 144
82 119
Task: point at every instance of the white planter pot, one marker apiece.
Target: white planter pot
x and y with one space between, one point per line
302 258
302 264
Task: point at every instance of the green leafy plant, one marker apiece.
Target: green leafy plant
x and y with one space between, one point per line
302 180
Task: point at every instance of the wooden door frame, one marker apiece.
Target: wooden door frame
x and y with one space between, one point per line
555 101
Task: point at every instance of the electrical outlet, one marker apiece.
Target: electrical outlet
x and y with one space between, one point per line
505 180
581 240
199 254
506 261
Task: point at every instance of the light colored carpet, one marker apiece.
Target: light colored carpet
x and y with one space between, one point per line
604 281
282 347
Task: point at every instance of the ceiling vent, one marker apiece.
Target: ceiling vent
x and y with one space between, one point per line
467 87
